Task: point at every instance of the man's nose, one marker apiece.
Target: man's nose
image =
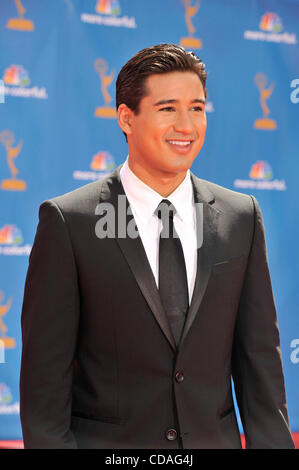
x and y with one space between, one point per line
184 123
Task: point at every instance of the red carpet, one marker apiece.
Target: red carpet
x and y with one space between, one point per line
19 444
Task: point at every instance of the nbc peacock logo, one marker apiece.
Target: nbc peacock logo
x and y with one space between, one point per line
102 164
16 83
16 75
271 30
102 161
5 394
6 399
108 14
108 7
261 171
11 240
10 235
261 177
271 22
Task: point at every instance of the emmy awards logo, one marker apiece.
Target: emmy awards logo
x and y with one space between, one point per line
106 111
20 23
4 308
190 11
13 183
264 123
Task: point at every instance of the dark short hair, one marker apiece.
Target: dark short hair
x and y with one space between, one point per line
162 58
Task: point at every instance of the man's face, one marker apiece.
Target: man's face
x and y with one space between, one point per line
167 134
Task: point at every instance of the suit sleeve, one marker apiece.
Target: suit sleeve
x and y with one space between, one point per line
49 321
257 363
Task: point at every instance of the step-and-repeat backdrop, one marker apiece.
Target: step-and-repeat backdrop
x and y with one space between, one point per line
58 130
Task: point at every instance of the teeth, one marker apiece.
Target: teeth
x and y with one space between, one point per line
179 142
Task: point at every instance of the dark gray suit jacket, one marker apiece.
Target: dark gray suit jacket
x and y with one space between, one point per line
99 363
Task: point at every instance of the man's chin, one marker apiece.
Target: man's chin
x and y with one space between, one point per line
180 165
175 171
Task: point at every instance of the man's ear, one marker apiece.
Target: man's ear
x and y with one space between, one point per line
125 118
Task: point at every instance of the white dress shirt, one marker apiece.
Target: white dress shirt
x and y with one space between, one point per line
144 201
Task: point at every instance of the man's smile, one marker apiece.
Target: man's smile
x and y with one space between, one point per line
182 146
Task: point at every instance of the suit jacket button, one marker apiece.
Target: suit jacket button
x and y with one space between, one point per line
171 435
179 377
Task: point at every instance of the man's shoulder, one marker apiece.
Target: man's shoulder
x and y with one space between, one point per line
222 198
85 198
79 197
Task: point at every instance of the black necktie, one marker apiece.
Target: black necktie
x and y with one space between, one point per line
173 286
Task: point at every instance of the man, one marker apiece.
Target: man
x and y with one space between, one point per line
131 337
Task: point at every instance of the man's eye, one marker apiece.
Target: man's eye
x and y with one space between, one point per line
167 108
197 108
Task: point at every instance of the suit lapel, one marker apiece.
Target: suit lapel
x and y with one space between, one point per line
207 218
133 250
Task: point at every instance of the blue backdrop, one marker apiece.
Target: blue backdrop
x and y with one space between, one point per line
58 64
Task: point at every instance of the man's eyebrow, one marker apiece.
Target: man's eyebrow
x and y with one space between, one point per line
161 102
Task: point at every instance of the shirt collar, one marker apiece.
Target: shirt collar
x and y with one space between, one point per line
144 200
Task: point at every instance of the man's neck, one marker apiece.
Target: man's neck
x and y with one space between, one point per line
163 185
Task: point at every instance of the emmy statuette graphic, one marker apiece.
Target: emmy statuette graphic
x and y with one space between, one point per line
264 123
190 42
4 308
106 111
20 23
13 183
